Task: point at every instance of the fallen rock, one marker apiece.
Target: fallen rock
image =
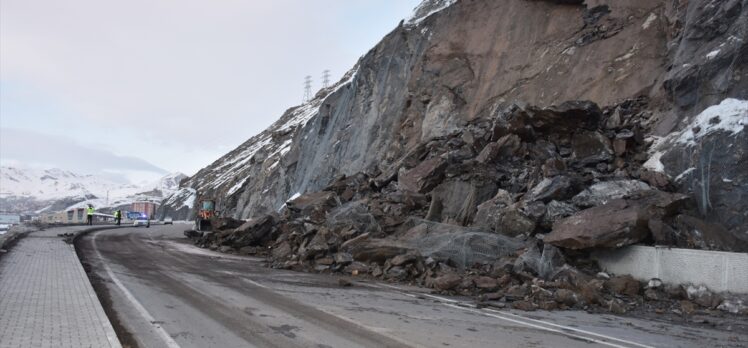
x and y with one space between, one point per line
226 249
252 232
611 226
556 210
513 222
556 188
456 201
423 177
553 167
624 285
615 224
282 251
566 297
687 307
486 283
551 261
734 306
366 249
342 258
703 297
591 147
447 281
503 148
313 205
524 305
527 122
403 259
656 179
617 306
591 291
248 250
225 223
606 191
489 212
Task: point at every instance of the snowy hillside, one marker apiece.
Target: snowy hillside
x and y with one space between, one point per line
46 187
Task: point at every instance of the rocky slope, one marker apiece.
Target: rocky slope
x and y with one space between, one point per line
654 66
485 147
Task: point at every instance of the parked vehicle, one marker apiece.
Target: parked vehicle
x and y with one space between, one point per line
168 221
142 220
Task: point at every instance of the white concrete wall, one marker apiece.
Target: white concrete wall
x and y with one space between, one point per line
717 270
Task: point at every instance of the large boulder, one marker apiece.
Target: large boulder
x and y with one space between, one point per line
366 249
251 233
313 206
456 201
423 177
564 118
615 224
225 223
488 213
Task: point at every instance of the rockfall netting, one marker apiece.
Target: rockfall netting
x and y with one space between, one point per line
463 246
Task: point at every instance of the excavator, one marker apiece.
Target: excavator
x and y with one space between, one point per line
206 212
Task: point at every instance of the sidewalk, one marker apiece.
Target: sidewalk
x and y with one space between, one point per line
46 299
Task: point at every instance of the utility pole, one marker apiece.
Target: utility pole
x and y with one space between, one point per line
307 88
325 78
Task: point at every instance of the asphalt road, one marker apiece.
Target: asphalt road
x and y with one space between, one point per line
160 291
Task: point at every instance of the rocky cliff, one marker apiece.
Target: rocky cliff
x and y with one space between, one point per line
522 117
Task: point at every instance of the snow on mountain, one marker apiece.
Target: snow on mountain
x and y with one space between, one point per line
48 186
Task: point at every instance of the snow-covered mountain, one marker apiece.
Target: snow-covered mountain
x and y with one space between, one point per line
28 189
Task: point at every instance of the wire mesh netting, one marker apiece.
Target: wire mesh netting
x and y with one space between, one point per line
463 246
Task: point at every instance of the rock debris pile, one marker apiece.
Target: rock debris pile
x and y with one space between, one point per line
506 210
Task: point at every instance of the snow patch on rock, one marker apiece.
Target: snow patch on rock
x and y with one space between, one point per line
427 8
731 116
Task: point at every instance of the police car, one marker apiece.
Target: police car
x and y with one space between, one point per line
142 220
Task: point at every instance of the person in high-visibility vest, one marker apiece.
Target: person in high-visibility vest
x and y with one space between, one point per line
89 217
118 216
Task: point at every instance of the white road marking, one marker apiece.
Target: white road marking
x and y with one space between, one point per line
139 307
518 319
253 283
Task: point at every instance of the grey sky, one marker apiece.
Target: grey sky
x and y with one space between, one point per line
176 83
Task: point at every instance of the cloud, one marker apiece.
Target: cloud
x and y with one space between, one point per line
56 151
184 76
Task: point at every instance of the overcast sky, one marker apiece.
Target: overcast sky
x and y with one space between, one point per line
166 85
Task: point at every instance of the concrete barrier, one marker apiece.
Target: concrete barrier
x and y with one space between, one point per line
717 270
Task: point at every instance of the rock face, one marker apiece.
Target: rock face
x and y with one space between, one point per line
447 110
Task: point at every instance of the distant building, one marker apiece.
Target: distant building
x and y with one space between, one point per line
76 215
10 219
148 208
54 218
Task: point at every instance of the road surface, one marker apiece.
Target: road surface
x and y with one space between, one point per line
160 291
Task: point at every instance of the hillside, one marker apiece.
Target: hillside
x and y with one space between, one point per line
27 190
453 72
